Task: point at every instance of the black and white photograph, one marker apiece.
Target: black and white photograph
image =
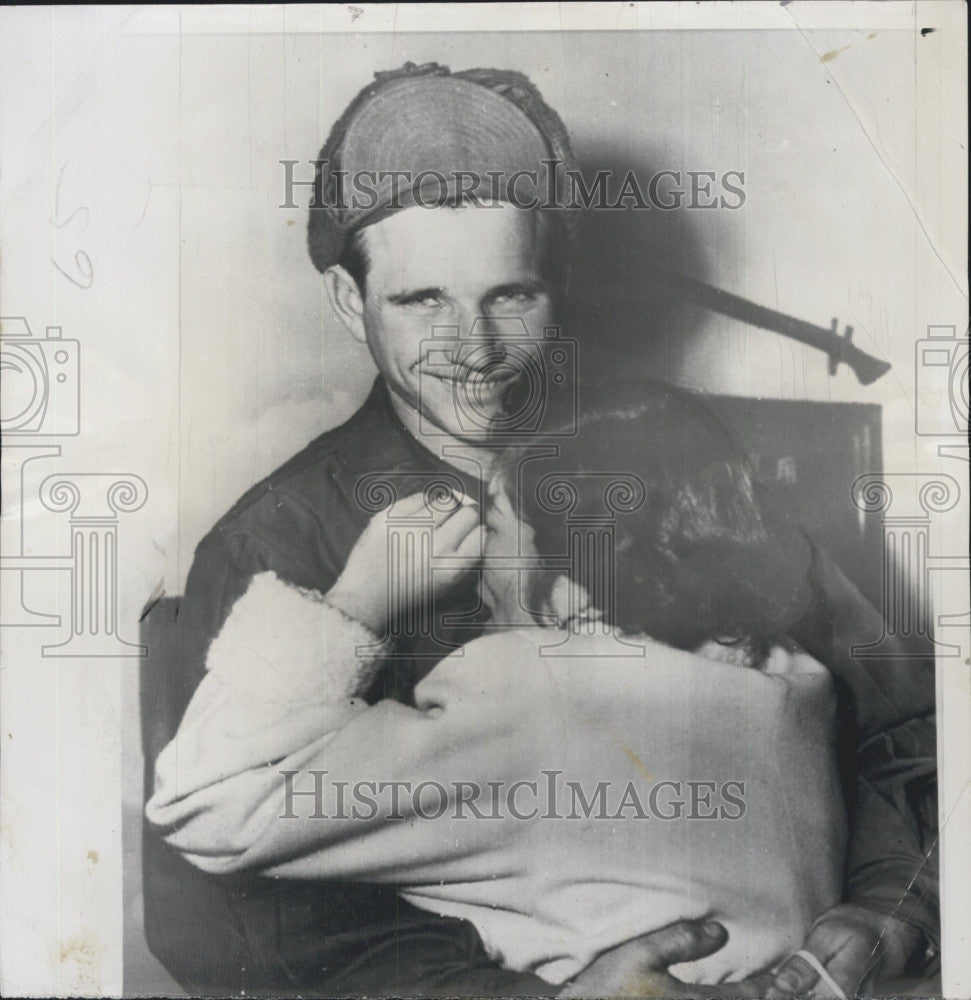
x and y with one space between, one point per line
485 501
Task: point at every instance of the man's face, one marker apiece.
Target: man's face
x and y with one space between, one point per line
474 268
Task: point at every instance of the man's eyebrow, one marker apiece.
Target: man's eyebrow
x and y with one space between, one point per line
415 295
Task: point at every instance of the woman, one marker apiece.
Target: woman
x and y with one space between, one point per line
672 680
654 745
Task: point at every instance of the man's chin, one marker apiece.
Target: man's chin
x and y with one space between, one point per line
480 431
480 437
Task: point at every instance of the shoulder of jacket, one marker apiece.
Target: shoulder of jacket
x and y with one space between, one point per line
309 479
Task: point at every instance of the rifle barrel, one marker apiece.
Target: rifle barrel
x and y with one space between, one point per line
867 369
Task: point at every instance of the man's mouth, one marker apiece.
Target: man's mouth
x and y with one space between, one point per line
497 378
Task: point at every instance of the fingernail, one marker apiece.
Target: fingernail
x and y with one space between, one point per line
712 929
787 982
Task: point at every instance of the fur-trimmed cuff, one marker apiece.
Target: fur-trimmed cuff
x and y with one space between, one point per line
287 644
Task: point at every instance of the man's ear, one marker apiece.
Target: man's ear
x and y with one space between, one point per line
347 301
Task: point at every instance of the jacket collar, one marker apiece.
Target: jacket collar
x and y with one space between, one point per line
388 444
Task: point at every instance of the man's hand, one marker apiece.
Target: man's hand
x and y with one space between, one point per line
374 577
858 948
639 967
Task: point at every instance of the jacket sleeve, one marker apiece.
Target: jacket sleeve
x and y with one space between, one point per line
291 935
889 727
893 865
888 683
276 533
285 670
243 785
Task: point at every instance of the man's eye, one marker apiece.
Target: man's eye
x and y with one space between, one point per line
515 299
424 302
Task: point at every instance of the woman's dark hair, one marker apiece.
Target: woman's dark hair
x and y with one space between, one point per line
697 553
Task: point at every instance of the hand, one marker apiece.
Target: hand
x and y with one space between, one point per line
859 948
639 967
362 589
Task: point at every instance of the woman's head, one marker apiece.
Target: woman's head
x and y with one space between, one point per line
693 553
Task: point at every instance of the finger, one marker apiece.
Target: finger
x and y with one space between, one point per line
455 526
755 986
795 979
441 508
848 971
471 547
459 503
463 558
847 951
502 504
408 506
457 548
684 941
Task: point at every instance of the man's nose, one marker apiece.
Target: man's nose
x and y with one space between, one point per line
479 343
466 321
486 326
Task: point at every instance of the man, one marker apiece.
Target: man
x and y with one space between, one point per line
448 248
